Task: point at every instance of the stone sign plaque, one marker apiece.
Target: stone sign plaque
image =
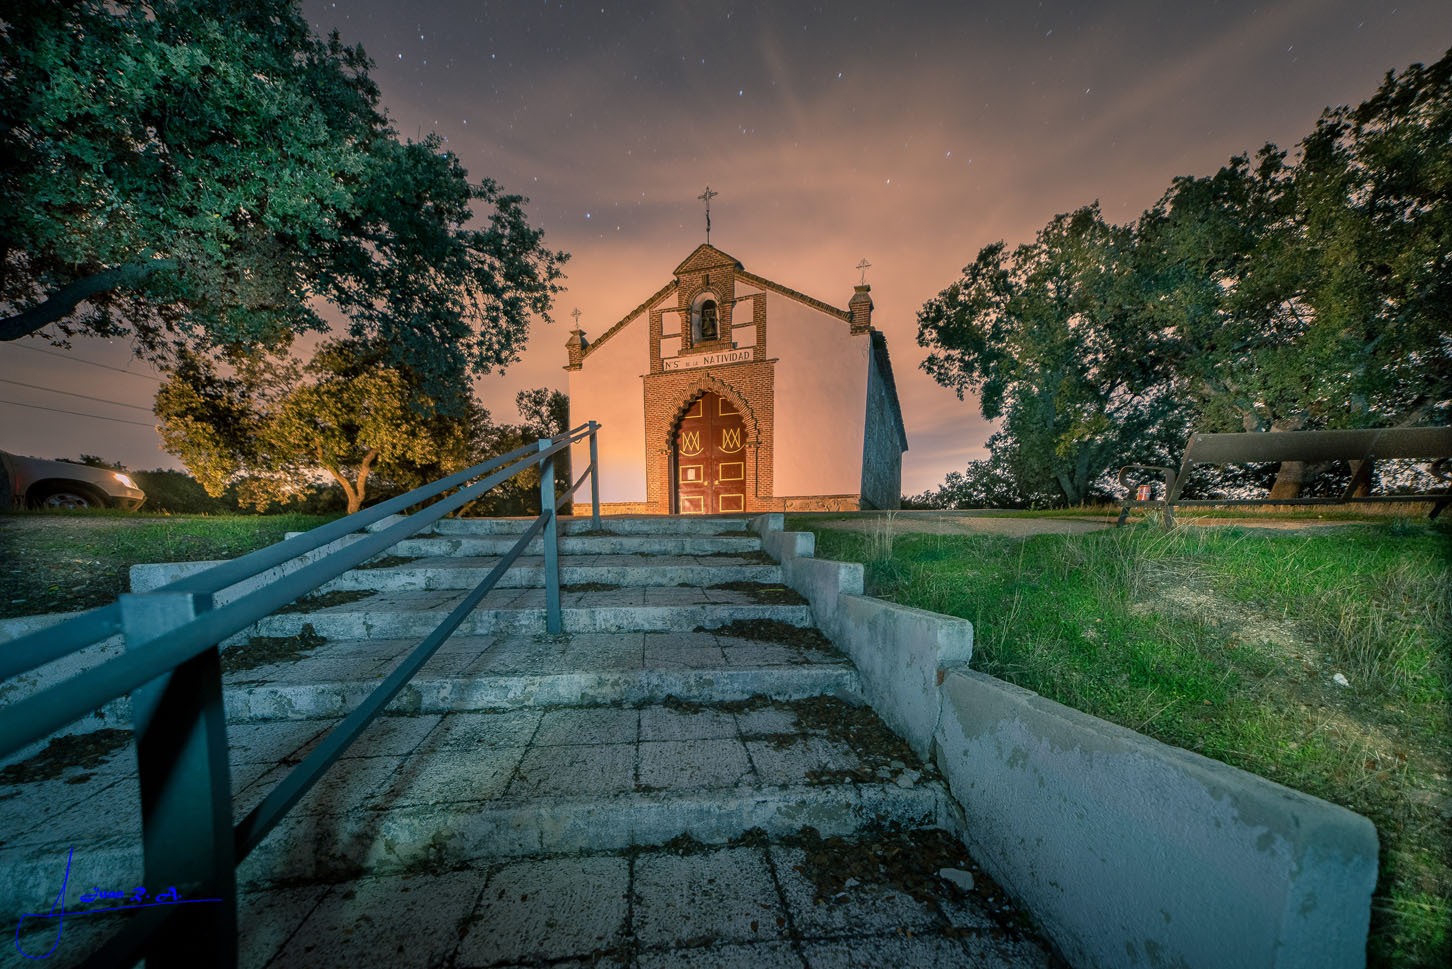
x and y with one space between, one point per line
706 360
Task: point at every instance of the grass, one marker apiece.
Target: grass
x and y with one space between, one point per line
1229 641
65 561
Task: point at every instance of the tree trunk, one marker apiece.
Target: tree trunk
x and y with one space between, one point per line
1292 474
1289 478
364 470
1072 495
1361 472
354 495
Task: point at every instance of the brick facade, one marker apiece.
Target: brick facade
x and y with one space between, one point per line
748 386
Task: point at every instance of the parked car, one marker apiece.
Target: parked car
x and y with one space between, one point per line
37 483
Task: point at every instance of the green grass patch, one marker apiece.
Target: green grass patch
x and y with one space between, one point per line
70 561
1229 641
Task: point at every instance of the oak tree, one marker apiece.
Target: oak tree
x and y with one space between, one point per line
1273 295
208 173
271 426
1038 334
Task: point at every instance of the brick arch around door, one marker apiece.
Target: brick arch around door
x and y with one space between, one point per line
710 448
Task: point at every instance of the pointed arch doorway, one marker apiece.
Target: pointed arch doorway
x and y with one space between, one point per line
710 457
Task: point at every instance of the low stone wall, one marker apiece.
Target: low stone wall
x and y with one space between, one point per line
148 578
1129 852
581 507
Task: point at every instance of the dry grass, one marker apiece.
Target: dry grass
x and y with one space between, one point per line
1320 658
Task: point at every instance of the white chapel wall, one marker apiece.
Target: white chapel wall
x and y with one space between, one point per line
608 389
821 385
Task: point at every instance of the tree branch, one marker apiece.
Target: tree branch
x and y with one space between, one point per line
63 301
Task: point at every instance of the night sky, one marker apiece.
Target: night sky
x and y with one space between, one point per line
909 134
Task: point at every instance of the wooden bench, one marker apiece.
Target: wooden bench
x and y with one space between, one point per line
1363 446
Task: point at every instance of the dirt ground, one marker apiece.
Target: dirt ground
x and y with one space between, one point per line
963 523
995 523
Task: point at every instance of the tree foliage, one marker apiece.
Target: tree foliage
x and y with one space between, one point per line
544 413
1272 295
206 173
269 429
1040 335
271 426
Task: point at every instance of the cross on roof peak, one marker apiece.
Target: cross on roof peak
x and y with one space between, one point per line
706 197
864 265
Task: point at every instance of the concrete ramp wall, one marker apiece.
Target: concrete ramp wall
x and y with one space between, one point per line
1129 852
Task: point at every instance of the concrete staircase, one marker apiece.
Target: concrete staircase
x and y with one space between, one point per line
686 776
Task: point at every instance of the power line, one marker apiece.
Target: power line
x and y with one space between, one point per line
69 393
92 363
77 413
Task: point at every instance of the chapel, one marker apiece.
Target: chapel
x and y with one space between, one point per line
724 392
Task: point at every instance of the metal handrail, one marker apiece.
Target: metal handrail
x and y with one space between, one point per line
172 670
27 652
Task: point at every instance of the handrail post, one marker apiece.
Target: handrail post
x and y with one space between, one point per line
553 623
186 793
594 479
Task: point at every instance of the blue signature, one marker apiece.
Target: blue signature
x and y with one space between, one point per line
137 897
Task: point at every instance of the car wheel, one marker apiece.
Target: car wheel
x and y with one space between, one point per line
66 498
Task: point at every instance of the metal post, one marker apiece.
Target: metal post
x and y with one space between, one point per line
553 623
1172 494
594 479
186 794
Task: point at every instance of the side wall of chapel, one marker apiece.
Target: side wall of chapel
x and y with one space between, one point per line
883 441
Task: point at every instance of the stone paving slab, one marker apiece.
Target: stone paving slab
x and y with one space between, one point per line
553 779
636 910
754 905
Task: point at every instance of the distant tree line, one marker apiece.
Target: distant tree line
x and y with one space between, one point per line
1273 295
543 413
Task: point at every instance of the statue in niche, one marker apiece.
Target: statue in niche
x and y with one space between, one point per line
709 325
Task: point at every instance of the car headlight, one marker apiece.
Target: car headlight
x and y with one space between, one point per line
125 480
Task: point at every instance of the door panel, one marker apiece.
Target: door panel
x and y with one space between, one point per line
710 458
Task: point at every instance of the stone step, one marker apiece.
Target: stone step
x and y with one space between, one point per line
473 787
871 899
392 615
473 545
394 572
273 679
675 760
647 525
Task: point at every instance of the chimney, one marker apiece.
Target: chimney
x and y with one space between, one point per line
576 347
861 307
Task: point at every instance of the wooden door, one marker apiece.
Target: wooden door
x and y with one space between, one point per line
710 458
